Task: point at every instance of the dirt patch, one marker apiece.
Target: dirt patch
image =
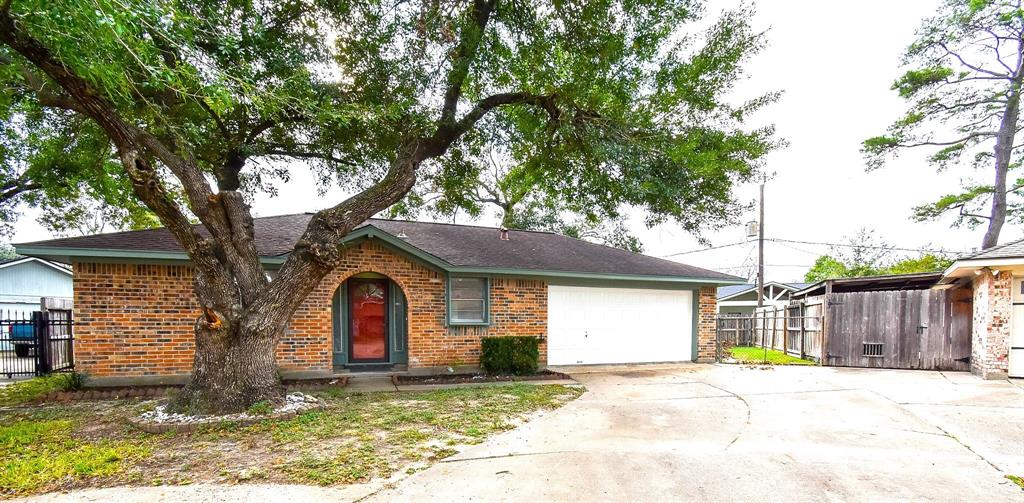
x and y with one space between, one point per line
545 375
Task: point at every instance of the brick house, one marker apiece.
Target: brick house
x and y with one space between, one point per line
411 297
996 276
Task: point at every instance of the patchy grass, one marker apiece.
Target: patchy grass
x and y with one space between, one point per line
1016 480
29 390
748 354
35 453
356 438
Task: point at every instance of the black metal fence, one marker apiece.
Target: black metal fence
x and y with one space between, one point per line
36 343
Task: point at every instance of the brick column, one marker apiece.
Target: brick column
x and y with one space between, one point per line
707 307
990 337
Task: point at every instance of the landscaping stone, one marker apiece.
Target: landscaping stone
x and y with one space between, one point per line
160 421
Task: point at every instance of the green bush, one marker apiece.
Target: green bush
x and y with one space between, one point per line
510 355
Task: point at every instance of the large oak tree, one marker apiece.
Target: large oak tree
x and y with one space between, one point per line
206 102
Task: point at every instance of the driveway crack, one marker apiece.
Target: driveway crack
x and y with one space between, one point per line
933 425
745 404
509 455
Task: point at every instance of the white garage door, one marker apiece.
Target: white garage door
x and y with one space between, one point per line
1017 330
618 325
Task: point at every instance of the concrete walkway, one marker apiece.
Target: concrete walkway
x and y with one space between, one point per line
719 433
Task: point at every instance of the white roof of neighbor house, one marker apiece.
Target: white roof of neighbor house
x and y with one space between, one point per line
14 261
728 291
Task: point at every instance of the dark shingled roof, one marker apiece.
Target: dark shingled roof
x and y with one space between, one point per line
1013 249
458 245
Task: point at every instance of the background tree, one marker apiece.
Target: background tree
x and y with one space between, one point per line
203 100
64 166
964 88
866 254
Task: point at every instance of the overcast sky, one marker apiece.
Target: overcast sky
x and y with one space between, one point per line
835 62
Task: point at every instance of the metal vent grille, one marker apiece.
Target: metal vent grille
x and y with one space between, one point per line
873 349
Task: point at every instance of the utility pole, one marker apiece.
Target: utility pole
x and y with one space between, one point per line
760 253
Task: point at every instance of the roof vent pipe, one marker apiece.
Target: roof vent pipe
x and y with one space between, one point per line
504 234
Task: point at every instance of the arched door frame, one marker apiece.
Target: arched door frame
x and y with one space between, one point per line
398 322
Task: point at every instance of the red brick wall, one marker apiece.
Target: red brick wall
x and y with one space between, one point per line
707 305
133 320
518 307
990 337
136 320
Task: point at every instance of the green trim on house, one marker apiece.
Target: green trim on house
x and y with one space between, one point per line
371 232
695 314
100 255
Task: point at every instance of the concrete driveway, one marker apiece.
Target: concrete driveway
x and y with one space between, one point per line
732 433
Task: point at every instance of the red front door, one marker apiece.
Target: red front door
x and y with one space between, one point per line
368 308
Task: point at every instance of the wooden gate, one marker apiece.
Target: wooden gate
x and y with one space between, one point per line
910 329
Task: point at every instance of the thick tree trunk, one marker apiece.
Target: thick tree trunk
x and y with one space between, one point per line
232 369
236 337
1003 149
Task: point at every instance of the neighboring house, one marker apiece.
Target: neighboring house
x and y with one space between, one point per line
24 281
997 278
408 296
740 300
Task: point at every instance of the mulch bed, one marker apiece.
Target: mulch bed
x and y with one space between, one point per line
544 375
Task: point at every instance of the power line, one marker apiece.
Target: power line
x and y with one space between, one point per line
781 241
766 265
707 249
870 247
801 250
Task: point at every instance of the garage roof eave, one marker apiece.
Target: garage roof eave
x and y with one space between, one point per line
966 267
593 275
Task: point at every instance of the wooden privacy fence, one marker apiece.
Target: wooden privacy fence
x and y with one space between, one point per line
915 329
905 329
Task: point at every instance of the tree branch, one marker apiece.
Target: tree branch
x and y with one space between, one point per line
46 96
130 143
465 53
972 215
482 107
307 155
981 134
973 67
16 188
224 131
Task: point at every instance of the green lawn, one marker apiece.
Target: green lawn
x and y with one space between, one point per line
748 354
22 392
357 437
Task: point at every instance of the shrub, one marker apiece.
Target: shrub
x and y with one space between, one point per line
510 355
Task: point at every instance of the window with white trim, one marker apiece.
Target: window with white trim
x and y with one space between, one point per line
467 301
